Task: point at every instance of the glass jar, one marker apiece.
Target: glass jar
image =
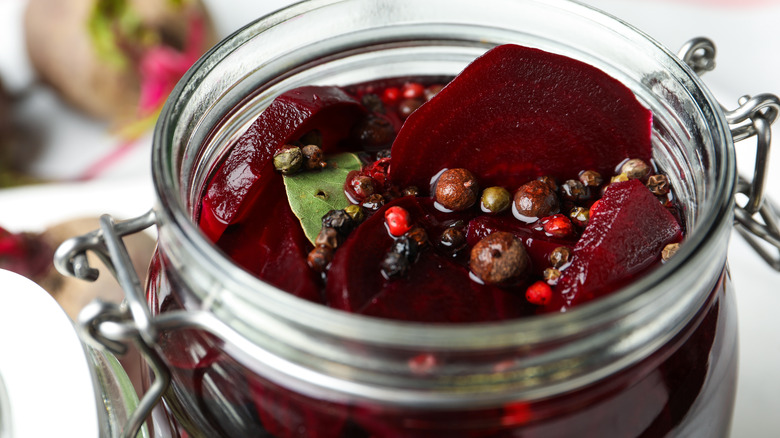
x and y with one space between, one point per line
656 358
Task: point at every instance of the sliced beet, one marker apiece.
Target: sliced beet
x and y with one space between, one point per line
517 113
269 242
288 414
436 289
248 168
624 236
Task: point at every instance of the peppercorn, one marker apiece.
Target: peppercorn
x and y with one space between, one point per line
534 200
356 212
579 216
432 91
495 200
499 257
339 220
574 191
457 189
312 157
411 191
635 169
560 256
557 225
621 177
374 132
591 178
319 258
362 186
384 153
408 106
551 276
398 220
452 240
394 265
373 103
539 293
412 90
288 160
669 251
391 95
419 235
407 247
328 237
658 185
550 181
374 202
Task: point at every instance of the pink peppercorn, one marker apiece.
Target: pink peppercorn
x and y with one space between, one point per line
398 221
557 225
539 293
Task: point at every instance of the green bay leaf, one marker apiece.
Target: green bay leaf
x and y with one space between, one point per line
312 194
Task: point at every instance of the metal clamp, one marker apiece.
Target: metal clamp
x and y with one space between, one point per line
112 326
757 219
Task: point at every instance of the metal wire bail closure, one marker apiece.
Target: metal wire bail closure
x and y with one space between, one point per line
756 220
112 326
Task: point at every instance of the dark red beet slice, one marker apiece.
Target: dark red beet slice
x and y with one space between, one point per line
436 289
517 113
287 414
269 242
248 168
538 245
626 234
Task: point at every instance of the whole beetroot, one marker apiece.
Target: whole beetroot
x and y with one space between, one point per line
116 60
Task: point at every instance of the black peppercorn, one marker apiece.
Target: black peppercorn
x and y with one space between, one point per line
373 103
394 265
452 240
339 220
574 191
312 157
374 132
407 247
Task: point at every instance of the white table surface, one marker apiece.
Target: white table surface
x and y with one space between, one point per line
748 41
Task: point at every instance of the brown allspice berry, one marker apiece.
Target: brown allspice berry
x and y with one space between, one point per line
560 256
591 178
319 258
536 199
499 257
457 189
658 185
312 157
669 251
328 237
636 169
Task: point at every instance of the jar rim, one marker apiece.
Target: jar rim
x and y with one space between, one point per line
715 221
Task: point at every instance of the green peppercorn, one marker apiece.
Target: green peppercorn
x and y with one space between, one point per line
495 199
356 212
288 160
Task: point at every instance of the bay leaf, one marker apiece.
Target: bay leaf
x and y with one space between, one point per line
312 194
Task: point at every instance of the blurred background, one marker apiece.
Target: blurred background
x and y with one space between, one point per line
75 141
